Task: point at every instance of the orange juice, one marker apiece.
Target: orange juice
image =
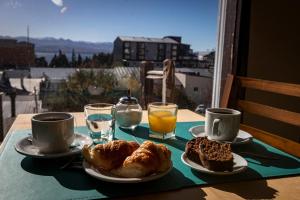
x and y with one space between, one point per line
162 121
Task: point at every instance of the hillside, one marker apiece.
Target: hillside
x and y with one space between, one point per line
50 45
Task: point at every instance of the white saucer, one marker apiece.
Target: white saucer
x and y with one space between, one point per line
109 177
25 147
242 137
239 165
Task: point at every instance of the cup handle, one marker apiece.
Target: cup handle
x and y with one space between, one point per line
215 127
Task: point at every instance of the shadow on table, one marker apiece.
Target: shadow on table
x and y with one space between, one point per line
194 193
249 190
79 180
143 133
71 178
173 181
254 150
246 150
232 183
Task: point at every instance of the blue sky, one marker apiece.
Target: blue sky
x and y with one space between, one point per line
104 20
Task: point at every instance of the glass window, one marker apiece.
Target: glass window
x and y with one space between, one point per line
142 45
69 73
126 44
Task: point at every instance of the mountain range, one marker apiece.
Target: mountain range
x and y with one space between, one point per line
52 45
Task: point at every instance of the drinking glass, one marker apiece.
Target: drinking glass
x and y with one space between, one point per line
162 120
100 122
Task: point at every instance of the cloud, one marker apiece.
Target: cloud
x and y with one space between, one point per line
13 4
64 9
59 3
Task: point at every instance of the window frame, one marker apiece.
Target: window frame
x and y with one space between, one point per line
217 77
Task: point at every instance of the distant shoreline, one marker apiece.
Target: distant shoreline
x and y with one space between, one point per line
49 55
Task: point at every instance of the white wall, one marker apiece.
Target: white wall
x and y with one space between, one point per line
29 83
55 73
204 85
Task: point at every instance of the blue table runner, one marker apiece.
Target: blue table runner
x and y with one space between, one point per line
27 178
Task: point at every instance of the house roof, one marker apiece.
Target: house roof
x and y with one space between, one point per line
147 39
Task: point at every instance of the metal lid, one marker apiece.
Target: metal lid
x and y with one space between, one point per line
128 100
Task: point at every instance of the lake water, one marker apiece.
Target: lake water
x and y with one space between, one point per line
49 55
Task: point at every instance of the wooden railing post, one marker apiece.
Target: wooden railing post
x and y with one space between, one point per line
147 84
1 117
169 67
12 96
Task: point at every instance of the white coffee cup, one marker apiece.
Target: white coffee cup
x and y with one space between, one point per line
53 132
222 124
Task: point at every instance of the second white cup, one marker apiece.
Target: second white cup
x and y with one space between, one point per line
222 124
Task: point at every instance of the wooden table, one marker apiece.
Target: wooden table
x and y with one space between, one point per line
281 188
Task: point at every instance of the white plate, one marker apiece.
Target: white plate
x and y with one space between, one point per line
242 138
25 147
239 165
109 177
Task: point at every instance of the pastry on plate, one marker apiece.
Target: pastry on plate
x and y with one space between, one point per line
149 158
129 159
109 156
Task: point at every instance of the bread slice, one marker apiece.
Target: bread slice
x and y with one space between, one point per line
192 150
215 156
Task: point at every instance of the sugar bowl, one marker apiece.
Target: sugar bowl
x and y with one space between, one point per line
128 112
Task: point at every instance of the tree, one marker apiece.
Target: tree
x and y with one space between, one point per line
61 60
74 93
53 61
86 62
73 61
79 60
41 62
100 60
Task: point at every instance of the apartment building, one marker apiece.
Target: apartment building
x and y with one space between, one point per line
14 53
133 50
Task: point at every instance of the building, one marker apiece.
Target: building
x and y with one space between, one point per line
197 88
15 54
133 50
209 59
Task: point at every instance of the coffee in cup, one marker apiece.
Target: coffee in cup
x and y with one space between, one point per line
52 132
222 124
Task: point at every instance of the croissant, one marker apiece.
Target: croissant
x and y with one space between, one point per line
109 156
147 159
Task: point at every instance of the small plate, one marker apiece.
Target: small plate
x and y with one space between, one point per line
109 177
239 165
242 138
25 147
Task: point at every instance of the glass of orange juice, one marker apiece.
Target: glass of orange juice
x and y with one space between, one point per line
162 120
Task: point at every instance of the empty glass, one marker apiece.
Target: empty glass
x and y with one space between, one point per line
100 121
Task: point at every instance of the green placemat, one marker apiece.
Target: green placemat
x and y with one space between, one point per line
27 178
